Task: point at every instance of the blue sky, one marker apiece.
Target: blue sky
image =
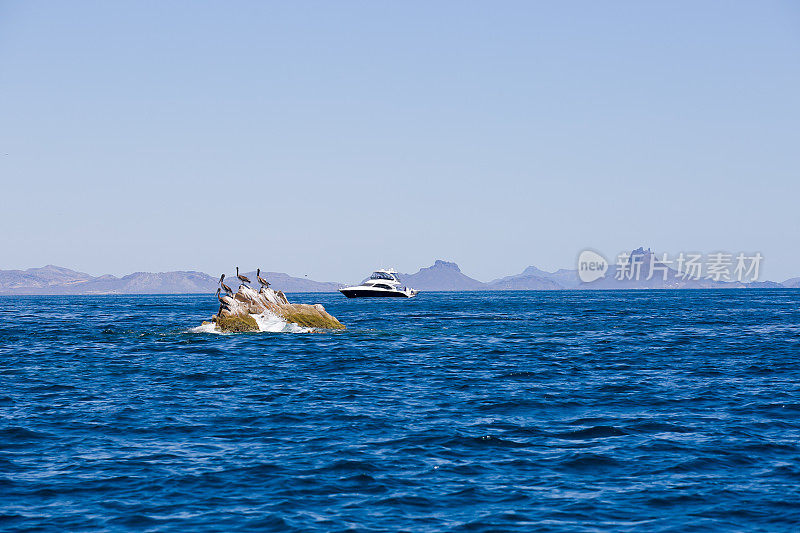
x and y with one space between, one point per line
328 138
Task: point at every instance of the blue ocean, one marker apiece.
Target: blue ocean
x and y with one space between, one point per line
486 411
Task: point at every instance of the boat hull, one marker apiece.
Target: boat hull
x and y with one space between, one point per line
367 293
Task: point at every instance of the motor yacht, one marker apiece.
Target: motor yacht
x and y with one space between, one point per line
383 283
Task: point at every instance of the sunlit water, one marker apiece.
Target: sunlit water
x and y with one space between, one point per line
549 411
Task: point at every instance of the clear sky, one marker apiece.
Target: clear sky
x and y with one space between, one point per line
328 138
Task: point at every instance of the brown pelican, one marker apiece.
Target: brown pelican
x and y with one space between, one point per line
223 302
262 281
225 287
242 277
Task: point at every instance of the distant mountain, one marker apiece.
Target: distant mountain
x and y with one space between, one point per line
178 282
286 283
793 283
40 278
533 278
524 283
441 276
758 285
58 280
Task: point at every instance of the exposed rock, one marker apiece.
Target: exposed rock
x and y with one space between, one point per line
241 311
237 324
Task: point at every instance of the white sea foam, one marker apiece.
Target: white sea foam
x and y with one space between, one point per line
267 322
206 328
273 323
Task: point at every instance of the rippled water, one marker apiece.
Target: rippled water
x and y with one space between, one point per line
556 411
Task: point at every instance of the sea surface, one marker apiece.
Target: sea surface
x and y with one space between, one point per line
507 411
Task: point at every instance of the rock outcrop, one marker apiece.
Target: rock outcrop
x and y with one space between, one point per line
269 310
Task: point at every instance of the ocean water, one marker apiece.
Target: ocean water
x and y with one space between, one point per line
509 411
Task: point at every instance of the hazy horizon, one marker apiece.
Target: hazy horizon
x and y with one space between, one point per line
330 139
230 272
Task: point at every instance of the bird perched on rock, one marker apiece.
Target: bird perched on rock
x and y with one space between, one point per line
244 279
262 281
225 287
223 302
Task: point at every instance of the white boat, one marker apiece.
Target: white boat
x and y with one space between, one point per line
383 283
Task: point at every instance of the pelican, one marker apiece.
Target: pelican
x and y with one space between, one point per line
242 277
225 287
262 281
223 302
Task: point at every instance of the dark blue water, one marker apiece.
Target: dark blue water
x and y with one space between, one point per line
550 411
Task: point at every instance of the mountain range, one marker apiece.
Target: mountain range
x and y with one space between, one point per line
53 279
441 276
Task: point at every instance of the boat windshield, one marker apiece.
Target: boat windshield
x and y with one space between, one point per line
382 275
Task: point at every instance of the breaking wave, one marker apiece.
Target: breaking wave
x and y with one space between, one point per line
207 327
267 322
275 324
